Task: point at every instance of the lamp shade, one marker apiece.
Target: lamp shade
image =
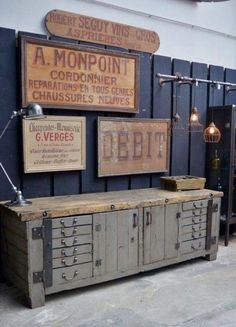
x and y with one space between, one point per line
212 134
34 110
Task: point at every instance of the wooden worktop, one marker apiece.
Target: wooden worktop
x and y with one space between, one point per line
62 206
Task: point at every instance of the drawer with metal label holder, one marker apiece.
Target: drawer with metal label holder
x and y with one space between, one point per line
194 220
71 221
194 212
194 205
72 260
72 251
193 245
73 273
71 241
193 235
71 231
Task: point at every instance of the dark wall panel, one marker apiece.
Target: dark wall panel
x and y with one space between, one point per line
216 94
180 140
39 184
230 96
144 180
199 99
9 145
162 100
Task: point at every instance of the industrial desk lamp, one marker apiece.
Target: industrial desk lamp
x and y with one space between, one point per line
33 111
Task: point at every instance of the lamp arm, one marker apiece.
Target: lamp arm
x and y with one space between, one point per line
13 115
9 180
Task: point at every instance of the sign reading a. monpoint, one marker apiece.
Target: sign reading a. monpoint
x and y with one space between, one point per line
58 75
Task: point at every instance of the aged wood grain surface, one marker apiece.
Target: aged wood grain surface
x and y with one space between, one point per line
63 206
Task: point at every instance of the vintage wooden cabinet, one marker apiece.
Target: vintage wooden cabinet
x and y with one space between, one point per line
66 242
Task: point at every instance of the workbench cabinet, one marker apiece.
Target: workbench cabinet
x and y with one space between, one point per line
69 242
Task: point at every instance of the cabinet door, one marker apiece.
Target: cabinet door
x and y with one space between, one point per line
153 233
172 230
115 241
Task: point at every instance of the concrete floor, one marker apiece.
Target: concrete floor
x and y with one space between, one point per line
197 293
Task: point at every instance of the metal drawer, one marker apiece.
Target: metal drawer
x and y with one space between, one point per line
71 221
194 235
71 274
194 205
72 231
193 245
71 261
71 241
194 220
194 212
73 250
193 228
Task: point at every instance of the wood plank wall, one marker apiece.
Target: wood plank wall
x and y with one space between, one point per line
187 153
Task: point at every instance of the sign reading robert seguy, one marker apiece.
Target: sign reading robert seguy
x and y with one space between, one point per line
91 29
56 75
55 143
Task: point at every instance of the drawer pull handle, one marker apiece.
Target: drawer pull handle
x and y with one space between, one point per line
196 247
66 235
75 240
195 221
63 252
194 229
69 278
75 260
135 220
149 218
64 225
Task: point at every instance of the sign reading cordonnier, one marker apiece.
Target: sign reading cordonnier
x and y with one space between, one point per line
56 75
132 146
55 143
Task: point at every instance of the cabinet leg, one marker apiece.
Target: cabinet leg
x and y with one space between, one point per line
211 257
36 300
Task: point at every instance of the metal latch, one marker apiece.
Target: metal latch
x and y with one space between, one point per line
215 207
177 246
38 277
98 262
98 228
37 233
178 215
213 240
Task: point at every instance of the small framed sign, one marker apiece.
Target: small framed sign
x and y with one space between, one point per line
132 146
67 76
55 143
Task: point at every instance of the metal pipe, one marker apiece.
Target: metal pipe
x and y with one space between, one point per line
177 78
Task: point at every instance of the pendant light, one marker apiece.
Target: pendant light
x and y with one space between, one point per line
212 133
176 121
194 123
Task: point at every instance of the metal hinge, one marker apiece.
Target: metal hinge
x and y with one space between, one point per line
37 233
38 277
98 262
215 207
98 228
177 246
178 215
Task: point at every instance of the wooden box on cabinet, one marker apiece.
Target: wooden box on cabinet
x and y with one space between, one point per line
61 243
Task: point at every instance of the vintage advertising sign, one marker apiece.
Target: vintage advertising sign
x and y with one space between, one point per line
91 29
132 146
55 143
57 75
